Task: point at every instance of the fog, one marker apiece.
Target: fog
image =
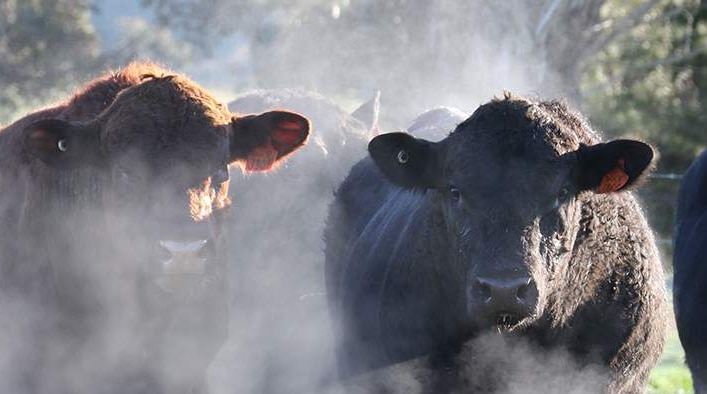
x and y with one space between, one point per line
419 55
279 330
508 365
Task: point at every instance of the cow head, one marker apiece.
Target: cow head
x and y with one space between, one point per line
161 151
510 183
163 148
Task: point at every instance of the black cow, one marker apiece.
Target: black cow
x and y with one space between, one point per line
518 222
690 269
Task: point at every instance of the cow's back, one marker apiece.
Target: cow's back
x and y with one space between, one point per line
690 268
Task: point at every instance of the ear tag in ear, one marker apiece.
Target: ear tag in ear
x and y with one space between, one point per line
62 145
403 156
261 158
615 179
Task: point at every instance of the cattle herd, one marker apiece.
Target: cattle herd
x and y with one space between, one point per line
497 252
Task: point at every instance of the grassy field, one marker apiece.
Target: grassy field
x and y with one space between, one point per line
671 376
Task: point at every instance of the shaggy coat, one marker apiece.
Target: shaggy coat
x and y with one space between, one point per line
518 222
112 250
690 267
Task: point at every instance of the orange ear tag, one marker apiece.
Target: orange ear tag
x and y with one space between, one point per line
261 158
614 180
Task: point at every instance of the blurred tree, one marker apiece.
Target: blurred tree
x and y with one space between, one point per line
428 53
45 47
653 82
139 38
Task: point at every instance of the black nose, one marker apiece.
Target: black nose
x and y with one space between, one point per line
505 300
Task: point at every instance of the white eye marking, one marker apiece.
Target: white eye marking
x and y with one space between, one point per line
403 156
62 145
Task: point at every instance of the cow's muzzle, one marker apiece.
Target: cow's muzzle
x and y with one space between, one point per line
502 302
182 265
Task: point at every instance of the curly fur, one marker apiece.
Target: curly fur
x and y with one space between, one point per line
395 261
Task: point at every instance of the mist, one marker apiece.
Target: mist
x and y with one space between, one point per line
452 58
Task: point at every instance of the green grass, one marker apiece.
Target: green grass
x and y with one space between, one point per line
671 376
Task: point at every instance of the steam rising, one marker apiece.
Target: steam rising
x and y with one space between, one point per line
280 338
489 363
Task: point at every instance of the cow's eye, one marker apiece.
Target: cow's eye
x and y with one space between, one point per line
454 193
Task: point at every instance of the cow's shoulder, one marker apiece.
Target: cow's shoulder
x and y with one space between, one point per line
367 212
364 189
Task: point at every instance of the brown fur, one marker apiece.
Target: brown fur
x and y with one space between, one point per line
81 229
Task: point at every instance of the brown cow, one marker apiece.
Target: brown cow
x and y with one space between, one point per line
112 248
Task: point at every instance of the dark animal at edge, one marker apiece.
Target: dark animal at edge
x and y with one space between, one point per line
113 245
518 221
690 270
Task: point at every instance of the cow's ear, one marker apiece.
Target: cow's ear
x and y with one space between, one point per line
405 160
62 144
260 141
614 166
368 113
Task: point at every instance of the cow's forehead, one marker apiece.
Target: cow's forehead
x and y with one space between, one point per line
500 149
497 166
515 142
166 121
167 105
546 121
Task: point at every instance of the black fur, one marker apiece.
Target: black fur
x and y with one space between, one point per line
690 267
504 196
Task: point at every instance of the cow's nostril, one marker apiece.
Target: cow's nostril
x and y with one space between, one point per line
522 293
483 291
184 249
514 295
206 250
